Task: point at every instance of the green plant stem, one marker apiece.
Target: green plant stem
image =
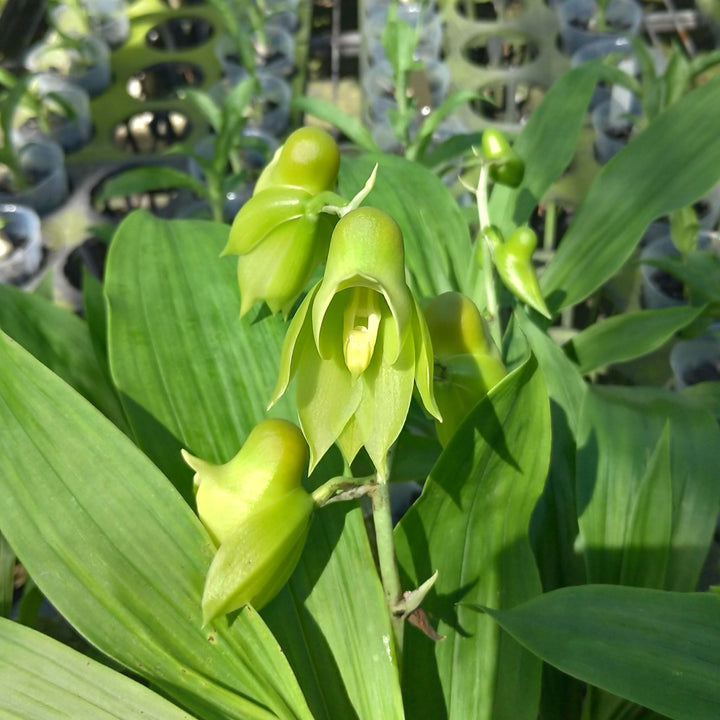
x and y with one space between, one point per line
215 196
382 518
481 196
550 226
402 104
340 485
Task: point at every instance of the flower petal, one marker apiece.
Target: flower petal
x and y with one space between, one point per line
366 250
261 214
424 361
327 396
295 338
386 399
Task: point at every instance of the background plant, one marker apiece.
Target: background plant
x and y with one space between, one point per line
222 171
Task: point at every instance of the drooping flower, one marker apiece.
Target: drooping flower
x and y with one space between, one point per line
258 514
281 234
466 362
358 344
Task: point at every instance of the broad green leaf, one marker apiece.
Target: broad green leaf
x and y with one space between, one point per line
650 521
628 336
638 185
121 556
471 524
177 346
438 252
207 376
554 527
619 453
149 435
147 178
547 144
349 125
59 340
333 624
45 680
658 649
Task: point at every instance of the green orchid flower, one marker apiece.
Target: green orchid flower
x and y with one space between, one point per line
257 513
358 344
467 363
281 234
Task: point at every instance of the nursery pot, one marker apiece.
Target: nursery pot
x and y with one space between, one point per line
282 14
601 48
576 18
612 121
43 164
429 87
694 361
417 14
20 244
87 65
108 20
70 131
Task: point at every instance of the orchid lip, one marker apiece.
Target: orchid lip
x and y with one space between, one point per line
361 322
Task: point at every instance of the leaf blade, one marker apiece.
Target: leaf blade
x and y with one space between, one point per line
124 559
471 525
655 648
43 679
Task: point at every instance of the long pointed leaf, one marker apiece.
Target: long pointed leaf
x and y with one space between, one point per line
176 343
628 336
619 431
61 341
44 680
658 649
471 524
121 555
638 185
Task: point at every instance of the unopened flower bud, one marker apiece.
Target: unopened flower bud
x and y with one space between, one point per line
467 363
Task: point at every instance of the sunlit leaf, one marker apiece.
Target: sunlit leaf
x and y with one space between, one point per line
471 524
658 649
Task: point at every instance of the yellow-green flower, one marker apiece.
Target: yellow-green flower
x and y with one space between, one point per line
257 512
466 364
281 234
358 344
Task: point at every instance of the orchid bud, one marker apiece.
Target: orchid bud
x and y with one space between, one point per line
467 364
258 557
281 233
505 165
280 243
308 159
270 464
358 344
513 261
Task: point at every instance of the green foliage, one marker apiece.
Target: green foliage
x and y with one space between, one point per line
576 516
